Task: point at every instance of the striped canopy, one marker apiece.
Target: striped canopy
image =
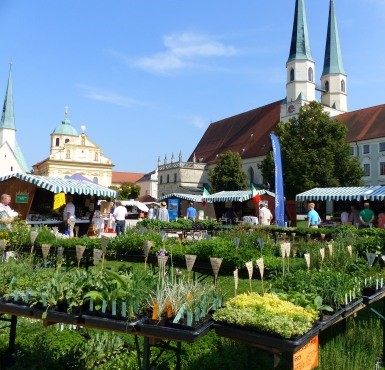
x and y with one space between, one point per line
234 196
67 186
190 197
344 193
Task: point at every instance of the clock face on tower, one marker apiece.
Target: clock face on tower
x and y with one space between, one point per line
291 108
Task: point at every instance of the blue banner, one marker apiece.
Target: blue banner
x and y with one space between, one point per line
173 208
279 198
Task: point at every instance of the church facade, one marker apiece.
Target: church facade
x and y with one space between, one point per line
248 133
11 156
72 153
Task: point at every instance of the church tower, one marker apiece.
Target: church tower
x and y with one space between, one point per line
300 67
11 157
333 79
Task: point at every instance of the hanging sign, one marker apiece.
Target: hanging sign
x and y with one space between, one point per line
307 357
58 200
21 198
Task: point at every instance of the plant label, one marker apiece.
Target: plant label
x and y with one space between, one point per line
371 258
97 256
215 264
249 266
287 249
235 272
307 259
79 252
237 241
330 246
3 243
261 266
60 252
322 251
350 250
45 250
147 245
33 236
104 244
190 261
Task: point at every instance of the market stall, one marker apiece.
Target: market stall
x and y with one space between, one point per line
330 202
33 198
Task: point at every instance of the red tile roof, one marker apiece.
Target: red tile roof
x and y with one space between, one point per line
120 177
246 133
364 124
146 198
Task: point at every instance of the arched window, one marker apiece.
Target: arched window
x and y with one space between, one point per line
292 75
251 175
327 86
161 180
343 87
95 180
96 157
310 75
168 179
68 154
57 142
175 177
66 140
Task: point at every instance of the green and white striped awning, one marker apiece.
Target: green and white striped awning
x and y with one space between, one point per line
234 196
190 197
67 186
343 193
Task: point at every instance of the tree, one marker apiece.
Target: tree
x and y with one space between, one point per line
228 173
314 153
128 190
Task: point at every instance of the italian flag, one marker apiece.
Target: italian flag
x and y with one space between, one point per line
254 194
205 194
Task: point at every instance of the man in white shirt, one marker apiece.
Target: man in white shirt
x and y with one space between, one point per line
265 215
120 213
69 213
7 215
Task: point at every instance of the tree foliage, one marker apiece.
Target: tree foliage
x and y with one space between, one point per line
228 173
128 190
314 153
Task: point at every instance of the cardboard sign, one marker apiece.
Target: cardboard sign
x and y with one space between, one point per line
190 260
307 357
287 249
350 250
33 236
60 251
261 266
307 258
3 243
322 251
330 246
104 244
45 250
249 266
147 245
235 272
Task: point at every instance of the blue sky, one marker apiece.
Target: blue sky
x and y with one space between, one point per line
147 77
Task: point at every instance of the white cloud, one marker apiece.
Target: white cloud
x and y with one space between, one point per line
106 96
184 50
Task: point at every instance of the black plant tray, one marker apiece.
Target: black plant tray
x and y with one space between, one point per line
259 339
372 296
62 317
329 320
15 309
352 307
170 333
104 323
195 325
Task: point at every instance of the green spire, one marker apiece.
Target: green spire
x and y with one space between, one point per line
7 117
300 45
333 57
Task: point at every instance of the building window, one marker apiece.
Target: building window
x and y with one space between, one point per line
351 150
11 168
161 180
168 179
327 86
291 75
57 142
175 177
366 149
382 168
310 74
68 154
66 140
381 147
251 175
343 87
96 157
367 169
95 180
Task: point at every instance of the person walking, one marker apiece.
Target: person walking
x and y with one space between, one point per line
313 218
191 212
163 212
120 213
